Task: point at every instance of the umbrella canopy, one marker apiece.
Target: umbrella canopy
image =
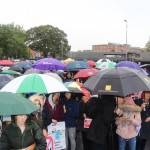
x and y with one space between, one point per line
54 75
77 65
117 81
2 84
1 67
12 104
48 64
24 64
16 68
68 60
85 73
106 65
11 72
130 64
31 71
103 60
5 77
34 83
75 87
5 68
91 63
6 62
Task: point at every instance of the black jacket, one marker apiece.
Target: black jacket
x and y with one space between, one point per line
12 138
145 126
102 113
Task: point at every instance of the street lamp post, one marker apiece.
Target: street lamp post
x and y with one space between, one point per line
126 38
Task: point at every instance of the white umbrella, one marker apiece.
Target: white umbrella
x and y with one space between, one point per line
34 83
54 75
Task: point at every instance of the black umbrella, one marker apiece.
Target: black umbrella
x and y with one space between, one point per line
117 81
5 77
16 68
2 84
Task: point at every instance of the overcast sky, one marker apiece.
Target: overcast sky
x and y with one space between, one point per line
86 22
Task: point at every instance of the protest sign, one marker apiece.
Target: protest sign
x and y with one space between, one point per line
56 136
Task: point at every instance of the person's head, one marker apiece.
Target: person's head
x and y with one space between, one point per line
128 100
21 119
16 75
55 97
145 95
37 103
37 99
68 75
119 100
43 98
68 95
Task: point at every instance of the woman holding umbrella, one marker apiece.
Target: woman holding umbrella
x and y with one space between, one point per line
22 133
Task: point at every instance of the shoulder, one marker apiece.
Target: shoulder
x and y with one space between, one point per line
9 128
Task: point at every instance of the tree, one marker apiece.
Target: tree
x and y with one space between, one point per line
48 39
12 41
147 47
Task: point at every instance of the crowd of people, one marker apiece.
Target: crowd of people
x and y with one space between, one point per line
105 122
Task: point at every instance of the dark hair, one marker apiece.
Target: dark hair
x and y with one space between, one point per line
28 121
143 94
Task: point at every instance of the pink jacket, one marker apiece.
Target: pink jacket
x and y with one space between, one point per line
126 125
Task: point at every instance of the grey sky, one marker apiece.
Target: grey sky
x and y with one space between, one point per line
86 22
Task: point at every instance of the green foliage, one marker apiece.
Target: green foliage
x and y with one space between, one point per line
12 41
48 39
147 47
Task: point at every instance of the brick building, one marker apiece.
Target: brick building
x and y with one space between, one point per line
114 47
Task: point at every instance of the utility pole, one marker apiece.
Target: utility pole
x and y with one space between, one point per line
126 39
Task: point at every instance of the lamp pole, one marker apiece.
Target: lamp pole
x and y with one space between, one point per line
126 38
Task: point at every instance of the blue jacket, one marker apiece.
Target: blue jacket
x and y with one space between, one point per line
72 111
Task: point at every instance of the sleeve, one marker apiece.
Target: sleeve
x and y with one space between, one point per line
46 117
39 139
137 119
4 142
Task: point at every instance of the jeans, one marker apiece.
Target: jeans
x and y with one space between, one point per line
71 135
131 143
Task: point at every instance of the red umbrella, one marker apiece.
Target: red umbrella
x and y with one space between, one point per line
92 63
85 73
83 90
6 62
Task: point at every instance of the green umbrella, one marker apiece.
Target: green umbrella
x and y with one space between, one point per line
13 104
105 65
11 72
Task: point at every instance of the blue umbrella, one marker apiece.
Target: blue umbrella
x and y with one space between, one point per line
132 65
77 65
48 64
24 64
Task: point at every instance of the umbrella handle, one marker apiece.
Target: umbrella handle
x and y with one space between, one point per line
117 103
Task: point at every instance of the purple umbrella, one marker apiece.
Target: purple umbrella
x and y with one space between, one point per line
48 64
131 64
